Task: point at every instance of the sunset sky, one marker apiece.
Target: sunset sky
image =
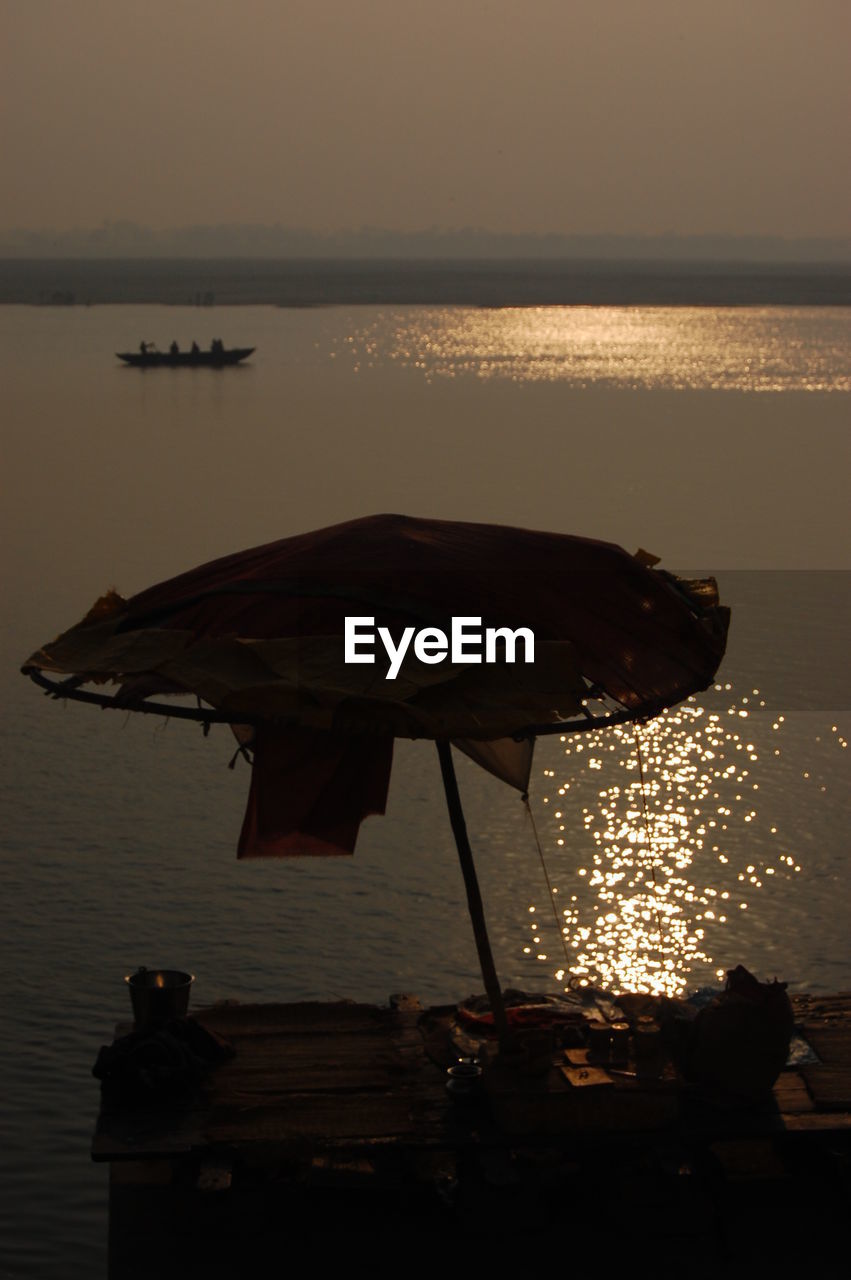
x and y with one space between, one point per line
556 116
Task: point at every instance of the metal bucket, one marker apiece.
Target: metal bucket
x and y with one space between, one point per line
464 1082
158 995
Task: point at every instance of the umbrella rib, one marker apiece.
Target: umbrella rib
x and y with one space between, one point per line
60 689
68 689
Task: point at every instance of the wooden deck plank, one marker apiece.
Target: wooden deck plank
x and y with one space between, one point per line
342 1017
294 1064
325 1118
791 1093
829 1086
818 1122
832 1042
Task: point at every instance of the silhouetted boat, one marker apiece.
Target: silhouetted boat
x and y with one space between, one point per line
152 359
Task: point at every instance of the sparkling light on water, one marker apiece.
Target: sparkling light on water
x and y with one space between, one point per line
636 347
665 806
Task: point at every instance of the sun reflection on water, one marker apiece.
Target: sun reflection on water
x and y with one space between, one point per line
668 809
634 347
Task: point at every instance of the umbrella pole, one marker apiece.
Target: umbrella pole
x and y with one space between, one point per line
474 897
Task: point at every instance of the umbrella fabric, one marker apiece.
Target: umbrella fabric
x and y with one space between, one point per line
259 634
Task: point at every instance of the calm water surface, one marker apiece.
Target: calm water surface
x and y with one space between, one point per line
714 438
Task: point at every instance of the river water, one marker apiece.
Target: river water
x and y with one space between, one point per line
715 438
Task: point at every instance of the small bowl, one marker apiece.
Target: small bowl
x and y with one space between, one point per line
464 1079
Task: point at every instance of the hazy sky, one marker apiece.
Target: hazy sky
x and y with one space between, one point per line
556 115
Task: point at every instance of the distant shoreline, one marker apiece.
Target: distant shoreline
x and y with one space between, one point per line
393 282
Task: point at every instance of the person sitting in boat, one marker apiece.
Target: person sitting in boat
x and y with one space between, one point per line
195 349
217 346
174 348
143 347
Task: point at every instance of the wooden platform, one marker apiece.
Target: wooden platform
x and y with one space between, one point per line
304 1076
339 1113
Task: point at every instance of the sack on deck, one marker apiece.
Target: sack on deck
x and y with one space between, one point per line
740 1042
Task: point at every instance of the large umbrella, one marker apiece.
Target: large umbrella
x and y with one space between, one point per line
259 638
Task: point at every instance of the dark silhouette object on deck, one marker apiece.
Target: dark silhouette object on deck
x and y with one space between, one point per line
164 1063
740 1041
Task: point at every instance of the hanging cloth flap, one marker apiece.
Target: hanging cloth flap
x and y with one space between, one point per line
310 791
506 759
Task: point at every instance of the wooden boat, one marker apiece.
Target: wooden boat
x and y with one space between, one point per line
215 358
